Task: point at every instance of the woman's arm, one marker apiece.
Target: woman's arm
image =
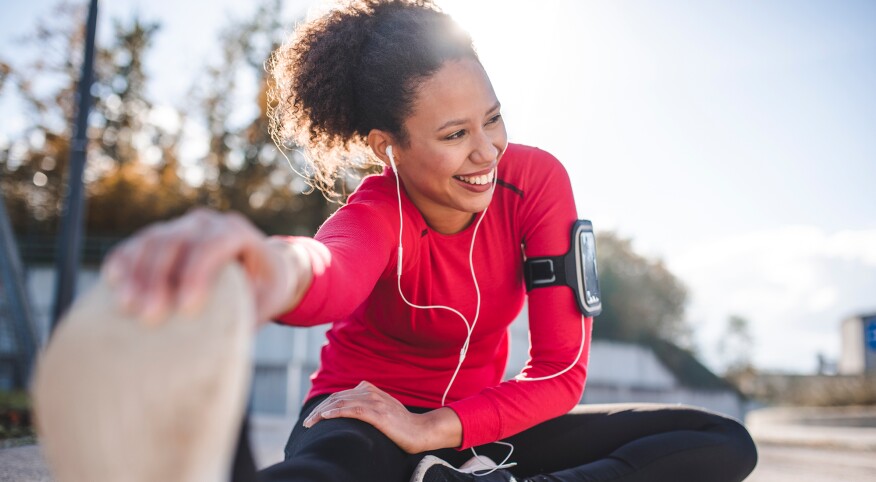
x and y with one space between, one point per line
346 258
295 273
169 266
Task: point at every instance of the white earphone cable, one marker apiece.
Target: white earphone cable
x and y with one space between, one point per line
469 326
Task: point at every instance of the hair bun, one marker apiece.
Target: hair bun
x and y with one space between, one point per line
354 69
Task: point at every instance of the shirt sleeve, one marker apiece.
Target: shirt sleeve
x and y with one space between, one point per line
558 333
349 253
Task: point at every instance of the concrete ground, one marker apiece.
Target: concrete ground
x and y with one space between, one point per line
821 455
814 444
788 463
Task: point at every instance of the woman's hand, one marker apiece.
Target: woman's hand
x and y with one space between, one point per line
412 432
169 266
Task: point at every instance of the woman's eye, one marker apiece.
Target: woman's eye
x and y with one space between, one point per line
494 119
455 135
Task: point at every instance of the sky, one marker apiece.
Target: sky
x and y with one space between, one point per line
732 140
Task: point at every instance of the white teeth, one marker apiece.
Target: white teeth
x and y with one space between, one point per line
478 180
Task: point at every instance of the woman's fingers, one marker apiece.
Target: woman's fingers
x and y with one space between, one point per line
127 260
143 268
365 402
333 403
376 407
161 277
171 265
220 243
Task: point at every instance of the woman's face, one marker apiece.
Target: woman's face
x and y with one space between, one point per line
456 138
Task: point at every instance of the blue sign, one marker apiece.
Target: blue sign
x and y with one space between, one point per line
870 333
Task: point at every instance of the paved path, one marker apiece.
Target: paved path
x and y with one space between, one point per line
777 464
23 464
782 462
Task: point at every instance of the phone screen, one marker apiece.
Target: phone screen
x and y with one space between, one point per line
591 279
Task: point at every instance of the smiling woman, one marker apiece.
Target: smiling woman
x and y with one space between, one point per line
420 275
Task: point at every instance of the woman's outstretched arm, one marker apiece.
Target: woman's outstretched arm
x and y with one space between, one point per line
169 266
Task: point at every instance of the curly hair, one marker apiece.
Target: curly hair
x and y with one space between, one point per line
355 69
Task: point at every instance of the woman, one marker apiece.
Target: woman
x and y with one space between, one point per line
420 274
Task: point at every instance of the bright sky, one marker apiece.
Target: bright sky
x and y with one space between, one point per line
734 140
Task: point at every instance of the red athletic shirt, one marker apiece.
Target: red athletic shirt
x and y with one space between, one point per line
412 353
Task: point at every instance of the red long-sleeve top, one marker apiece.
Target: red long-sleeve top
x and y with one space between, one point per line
412 353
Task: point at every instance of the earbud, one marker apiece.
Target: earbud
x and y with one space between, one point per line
391 158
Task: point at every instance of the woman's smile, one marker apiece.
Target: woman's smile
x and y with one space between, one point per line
477 182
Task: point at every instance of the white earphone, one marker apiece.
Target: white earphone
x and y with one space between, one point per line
391 158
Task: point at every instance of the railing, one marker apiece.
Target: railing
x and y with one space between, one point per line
42 249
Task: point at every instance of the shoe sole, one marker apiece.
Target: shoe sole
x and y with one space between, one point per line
117 400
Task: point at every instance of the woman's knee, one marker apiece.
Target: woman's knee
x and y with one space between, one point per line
341 434
340 449
739 446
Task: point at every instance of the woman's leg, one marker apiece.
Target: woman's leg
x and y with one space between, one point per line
338 450
635 442
120 399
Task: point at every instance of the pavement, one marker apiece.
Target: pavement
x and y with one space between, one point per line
795 463
814 444
794 445
268 436
848 428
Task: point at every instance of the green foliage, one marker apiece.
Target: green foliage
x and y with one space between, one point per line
136 174
244 170
736 346
15 418
641 299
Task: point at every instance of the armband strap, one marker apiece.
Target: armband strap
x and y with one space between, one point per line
542 272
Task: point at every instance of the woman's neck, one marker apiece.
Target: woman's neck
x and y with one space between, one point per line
450 224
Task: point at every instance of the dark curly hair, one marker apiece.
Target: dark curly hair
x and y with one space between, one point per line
355 69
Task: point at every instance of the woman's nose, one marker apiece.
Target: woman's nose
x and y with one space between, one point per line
485 150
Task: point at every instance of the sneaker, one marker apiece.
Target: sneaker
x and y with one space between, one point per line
433 469
117 400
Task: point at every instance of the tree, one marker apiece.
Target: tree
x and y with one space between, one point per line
641 298
134 172
123 191
245 171
134 178
736 346
4 74
31 165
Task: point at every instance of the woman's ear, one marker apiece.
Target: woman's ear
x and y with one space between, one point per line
379 141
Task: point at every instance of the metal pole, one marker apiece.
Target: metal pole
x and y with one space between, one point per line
70 239
12 280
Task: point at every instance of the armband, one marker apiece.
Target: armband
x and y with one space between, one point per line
575 269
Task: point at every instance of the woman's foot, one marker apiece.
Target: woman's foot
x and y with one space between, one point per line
119 399
433 469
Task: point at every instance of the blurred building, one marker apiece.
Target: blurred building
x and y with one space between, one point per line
858 354
618 372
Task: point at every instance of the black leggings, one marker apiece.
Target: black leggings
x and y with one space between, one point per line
612 442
